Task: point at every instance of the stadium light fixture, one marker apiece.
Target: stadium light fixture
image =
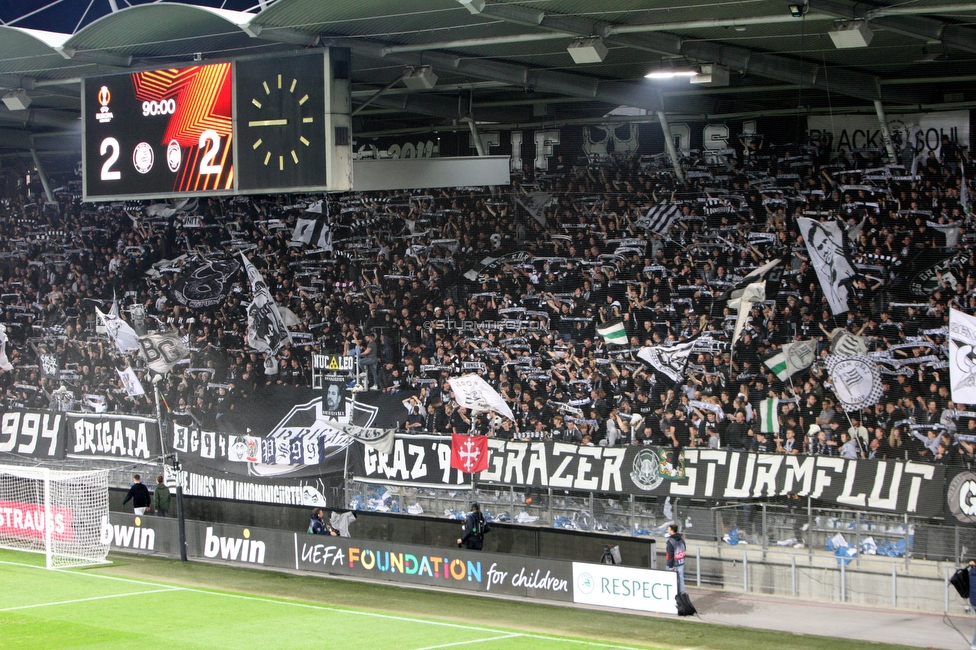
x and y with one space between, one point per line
670 74
850 35
587 50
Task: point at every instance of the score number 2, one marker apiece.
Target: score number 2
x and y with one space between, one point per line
209 143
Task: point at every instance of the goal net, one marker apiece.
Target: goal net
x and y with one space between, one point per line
58 513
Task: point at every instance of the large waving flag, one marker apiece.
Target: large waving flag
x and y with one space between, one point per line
475 394
825 245
613 333
125 338
266 331
793 358
668 361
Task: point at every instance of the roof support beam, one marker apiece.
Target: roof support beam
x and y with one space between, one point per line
770 66
446 107
930 29
627 93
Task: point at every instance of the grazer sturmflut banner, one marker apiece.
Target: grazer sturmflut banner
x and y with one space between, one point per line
888 486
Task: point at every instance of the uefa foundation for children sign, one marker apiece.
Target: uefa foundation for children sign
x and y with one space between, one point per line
607 585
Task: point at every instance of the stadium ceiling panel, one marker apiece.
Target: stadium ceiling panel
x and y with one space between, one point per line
510 62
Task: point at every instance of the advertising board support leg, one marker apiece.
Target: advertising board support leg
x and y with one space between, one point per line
793 574
180 511
843 581
745 571
894 585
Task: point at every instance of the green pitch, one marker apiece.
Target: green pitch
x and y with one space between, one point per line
148 602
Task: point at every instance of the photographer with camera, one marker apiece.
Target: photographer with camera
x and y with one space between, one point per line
475 527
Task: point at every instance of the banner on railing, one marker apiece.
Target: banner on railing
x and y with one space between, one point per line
888 486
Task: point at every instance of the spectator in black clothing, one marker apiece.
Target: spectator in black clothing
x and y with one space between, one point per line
139 494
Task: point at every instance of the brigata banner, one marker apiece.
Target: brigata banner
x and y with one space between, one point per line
112 437
889 486
607 585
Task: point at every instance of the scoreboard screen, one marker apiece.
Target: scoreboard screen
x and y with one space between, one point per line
257 124
159 132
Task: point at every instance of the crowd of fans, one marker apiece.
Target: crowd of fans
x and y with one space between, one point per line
405 285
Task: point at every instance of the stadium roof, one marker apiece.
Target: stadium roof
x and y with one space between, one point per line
509 62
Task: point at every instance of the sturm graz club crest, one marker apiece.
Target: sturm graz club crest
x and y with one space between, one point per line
646 472
653 466
961 497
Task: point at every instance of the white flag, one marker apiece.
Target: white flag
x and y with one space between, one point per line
856 381
962 357
5 364
844 343
825 245
163 351
379 439
755 292
266 331
669 361
473 393
304 229
534 202
131 382
793 358
126 339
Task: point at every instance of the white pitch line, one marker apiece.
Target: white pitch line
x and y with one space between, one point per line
85 600
457 643
327 608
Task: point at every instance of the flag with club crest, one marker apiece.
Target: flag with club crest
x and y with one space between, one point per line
475 394
266 331
667 361
5 364
792 358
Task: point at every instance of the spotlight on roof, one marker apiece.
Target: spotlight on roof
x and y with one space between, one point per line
711 75
853 34
474 6
587 50
423 78
16 100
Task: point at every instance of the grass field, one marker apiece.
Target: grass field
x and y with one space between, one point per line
149 602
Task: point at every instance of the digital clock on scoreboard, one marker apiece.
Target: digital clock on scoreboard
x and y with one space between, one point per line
159 132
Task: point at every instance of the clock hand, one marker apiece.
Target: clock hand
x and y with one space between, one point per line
268 123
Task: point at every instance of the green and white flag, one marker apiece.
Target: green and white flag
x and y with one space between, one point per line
793 358
613 333
768 415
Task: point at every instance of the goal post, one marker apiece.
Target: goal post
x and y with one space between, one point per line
55 512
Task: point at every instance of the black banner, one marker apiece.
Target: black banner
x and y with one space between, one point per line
889 486
205 282
113 437
38 434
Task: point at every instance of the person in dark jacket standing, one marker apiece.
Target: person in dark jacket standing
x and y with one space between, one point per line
160 498
475 527
139 494
972 594
315 524
675 555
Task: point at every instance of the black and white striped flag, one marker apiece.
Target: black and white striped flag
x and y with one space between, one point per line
660 217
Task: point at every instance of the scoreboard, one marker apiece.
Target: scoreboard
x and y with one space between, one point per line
252 125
